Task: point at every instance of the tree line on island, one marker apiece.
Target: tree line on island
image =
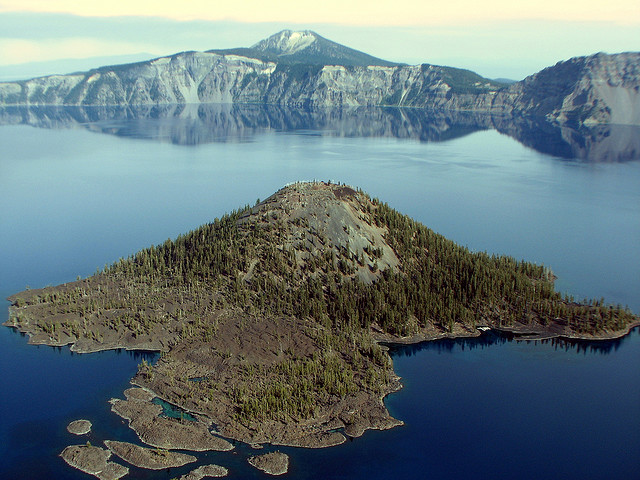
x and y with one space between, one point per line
440 283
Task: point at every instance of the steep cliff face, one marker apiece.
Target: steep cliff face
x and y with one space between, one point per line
190 77
213 78
302 69
288 68
590 90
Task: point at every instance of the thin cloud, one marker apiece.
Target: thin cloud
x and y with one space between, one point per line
18 51
354 12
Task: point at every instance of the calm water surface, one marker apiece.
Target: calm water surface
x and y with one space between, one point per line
77 197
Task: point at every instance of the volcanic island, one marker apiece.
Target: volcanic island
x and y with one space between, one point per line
272 321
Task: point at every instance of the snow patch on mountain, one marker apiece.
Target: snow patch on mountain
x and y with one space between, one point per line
161 61
286 42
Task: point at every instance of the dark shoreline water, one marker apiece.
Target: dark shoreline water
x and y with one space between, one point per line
493 337
50 387
73 199
506 370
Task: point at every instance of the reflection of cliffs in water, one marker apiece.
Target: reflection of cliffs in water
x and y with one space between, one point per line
196 124
601 143
207 123
491 338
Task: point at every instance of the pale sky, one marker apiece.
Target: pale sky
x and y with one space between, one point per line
496 38
349 12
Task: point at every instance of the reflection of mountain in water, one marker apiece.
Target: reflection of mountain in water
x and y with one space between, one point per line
197 124
488 339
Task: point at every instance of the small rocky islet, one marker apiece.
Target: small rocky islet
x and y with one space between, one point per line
273 463
94 461
79 427
149 458
270 320
205 471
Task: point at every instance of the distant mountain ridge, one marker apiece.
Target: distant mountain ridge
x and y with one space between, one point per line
303 69
11 73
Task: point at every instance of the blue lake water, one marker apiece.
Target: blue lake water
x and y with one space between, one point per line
84 188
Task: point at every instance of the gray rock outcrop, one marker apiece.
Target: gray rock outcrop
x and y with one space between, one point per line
201 77
589 90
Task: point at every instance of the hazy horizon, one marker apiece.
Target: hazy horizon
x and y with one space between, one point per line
490 39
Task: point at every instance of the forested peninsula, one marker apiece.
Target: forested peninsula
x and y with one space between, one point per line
271 321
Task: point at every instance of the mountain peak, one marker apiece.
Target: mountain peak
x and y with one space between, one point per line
287 42
307 47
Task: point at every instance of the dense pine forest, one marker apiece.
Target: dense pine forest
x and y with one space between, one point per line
439 282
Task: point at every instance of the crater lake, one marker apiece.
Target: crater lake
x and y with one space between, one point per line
82 187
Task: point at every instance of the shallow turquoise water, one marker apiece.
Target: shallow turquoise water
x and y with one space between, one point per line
171 411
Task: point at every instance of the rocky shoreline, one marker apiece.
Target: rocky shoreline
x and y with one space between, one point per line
165 433
525 332
160 432
521 332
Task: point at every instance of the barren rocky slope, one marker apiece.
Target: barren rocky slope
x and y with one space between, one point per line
589 90
208 77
